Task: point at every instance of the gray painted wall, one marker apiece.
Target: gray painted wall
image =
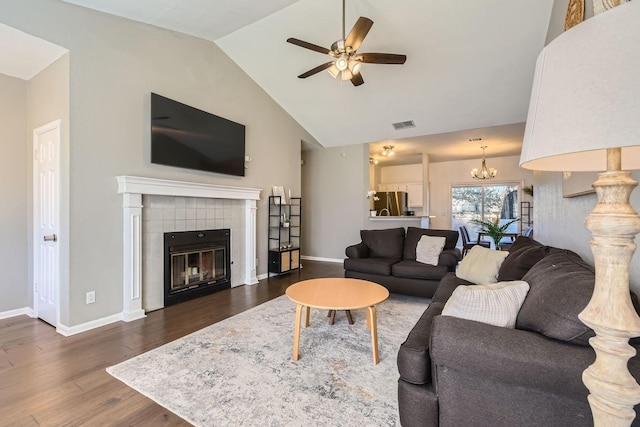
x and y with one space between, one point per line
335 182
559 221
13 184
113 66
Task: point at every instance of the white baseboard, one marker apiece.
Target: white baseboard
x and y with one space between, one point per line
315 258
28 311
83 327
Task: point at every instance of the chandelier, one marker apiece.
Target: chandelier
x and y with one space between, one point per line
484 172
387 150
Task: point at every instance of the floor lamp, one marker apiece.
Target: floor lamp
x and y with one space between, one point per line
584 115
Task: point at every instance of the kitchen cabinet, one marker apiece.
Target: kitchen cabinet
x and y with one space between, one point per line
413 189
392 187
415 197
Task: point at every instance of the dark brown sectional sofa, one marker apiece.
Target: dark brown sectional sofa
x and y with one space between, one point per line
457 372
388 257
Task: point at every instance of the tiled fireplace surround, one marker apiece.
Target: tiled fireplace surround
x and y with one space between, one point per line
179 206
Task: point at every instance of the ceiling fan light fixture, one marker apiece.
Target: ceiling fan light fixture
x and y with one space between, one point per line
345 59
342 63
355 66
346 75
387 150
484 172
333 71
336 73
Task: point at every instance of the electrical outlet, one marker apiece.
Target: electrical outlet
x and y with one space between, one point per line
91 297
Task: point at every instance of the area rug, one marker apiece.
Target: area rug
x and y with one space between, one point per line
240 371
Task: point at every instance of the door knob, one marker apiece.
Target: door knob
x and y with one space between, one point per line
51 238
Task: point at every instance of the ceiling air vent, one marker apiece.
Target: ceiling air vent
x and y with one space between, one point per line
404 125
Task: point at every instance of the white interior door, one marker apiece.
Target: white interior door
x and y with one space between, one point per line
46 172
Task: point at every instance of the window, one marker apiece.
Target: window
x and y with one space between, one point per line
484 202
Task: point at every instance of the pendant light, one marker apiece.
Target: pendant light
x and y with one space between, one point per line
484 172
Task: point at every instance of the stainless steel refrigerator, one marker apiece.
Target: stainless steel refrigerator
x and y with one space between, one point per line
391 203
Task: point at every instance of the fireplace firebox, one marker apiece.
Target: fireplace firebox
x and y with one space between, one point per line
196 263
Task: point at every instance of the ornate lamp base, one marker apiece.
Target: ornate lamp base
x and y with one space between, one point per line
614 224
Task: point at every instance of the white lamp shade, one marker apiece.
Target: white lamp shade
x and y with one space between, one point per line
586 96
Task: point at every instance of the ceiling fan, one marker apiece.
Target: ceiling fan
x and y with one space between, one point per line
346 62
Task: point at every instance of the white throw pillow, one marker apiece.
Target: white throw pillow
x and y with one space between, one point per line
429 248
496 304
481 265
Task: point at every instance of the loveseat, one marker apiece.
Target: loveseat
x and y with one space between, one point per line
460 372
388 257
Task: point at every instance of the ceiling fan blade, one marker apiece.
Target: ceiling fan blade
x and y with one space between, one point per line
382 58
315 70
357 79
358 32
308 45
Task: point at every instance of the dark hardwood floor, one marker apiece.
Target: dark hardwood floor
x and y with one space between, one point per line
50 380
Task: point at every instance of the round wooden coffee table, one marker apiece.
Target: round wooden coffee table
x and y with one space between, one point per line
337 293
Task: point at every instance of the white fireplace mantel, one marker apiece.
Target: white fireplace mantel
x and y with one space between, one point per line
132 188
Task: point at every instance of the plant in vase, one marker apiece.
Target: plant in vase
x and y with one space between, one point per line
371 194
493 229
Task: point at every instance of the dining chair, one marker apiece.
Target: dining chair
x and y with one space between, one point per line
467 244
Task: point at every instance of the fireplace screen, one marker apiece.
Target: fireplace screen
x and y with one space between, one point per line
190 269
196 263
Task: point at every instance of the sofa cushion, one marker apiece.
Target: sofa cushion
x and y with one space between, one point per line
414 361
417 270
359 250
380 266
414 234
561 287
429 249
519 261
522 241
481 265
495 304
384 243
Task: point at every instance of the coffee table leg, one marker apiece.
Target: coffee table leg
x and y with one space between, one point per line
306 323
371 311
332 316
296 331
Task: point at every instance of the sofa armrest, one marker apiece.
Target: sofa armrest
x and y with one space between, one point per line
449 258
510 356
357 251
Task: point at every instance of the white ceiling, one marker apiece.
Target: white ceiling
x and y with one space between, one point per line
23 55
469 64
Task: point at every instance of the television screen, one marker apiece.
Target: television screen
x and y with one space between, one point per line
189 138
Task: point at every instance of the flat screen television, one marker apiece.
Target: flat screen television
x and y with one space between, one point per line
186 137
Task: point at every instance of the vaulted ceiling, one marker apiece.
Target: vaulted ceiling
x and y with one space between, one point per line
468 72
